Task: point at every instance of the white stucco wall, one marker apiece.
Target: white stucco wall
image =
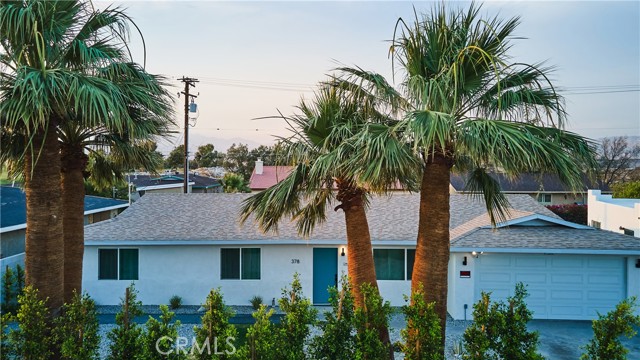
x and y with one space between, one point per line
461 290
190 271
614 213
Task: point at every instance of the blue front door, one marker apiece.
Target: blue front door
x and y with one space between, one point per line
325 273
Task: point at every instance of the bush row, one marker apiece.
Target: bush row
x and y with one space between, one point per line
346 332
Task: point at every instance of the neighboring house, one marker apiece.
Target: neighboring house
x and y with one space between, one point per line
547 189
177 244
618 215
13 220
264 177
172 183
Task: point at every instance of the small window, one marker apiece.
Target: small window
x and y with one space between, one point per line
128 264
389 264
240 264
595 224
108 264
118 264
411 257
544 198
629 232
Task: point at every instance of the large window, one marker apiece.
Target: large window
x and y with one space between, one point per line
240 264
389 264
394 264
118 264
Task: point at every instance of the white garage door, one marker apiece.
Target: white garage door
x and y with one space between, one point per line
559 286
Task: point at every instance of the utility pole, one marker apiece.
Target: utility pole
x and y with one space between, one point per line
188 82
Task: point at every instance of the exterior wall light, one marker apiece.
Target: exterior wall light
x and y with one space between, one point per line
464 261
342 252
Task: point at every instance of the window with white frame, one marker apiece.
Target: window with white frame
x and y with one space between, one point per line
240 263
118 264
393 264
544 198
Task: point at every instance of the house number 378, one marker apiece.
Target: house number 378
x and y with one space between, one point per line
295 261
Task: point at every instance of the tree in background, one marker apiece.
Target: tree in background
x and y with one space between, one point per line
627 190
268 154
617 160
234 183
208 156
175 159
238 160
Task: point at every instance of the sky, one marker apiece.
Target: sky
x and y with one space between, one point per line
254 59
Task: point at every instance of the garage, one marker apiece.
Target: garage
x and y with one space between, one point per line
560 286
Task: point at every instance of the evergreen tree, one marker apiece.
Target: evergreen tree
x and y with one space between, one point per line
215 335
126 338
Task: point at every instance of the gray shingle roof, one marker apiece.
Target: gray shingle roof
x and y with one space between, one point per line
528 183
195 217
546 237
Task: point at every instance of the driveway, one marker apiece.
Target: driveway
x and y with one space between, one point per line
559 339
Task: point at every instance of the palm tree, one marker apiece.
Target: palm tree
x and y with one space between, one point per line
50 54
319 149
472 110
114 151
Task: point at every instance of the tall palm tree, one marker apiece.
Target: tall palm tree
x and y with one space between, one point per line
471 109
319 149
49 54
150 115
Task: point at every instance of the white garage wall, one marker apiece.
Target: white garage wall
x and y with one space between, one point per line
600 280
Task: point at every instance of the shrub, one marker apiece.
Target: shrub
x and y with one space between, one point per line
369 319
294 326
19 276
175 302
5 349
256 301
158 339
571 212
8 291
76 330
126 338
608 329
499 330
424 340
337 341
214 336
261 344
32 339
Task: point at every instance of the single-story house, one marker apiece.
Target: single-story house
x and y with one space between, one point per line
618 215
546 188
13 220
172 183
186 244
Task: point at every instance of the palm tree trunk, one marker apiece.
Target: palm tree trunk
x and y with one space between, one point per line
360 263
44 261
73 164
432 249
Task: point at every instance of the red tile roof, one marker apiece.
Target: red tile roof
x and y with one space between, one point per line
270 176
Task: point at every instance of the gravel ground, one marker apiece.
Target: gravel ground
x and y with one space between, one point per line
454 328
